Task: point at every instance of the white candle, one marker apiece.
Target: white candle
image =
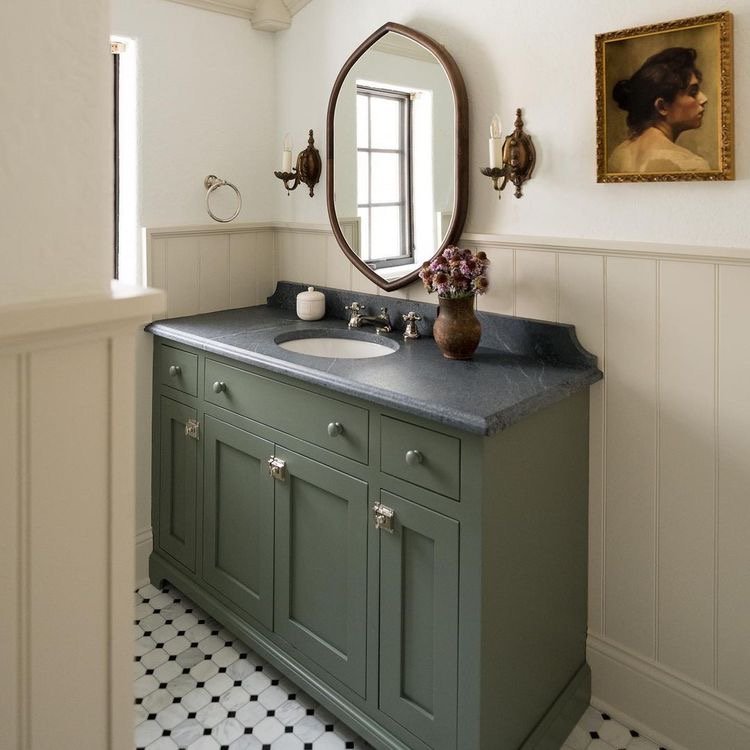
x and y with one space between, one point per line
286 155
496 144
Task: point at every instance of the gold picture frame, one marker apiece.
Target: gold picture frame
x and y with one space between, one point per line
636 137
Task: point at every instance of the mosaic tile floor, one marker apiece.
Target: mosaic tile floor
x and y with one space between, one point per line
199 688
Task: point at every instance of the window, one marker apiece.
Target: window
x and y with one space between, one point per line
384 176
126 260
117 48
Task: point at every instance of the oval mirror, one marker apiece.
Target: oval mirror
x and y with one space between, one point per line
397 146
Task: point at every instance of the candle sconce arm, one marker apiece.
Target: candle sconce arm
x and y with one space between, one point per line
519 157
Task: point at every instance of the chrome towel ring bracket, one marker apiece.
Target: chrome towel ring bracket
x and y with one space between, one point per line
211 183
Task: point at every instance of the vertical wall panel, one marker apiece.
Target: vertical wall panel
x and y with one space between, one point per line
69 396
360 283
312 251
265 263
630 450
284 259
10 547
500 296
157 263
536 284
213 289
302 257
581 302
338 268
417 292
686 471
182 275
243 281
734 484
581 298
122 490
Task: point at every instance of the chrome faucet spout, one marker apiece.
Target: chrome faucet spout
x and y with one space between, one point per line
382 321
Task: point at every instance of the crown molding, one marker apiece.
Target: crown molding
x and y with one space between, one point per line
394 44
239 8
295 6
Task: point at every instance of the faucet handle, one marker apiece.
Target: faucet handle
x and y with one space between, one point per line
355 307
411 331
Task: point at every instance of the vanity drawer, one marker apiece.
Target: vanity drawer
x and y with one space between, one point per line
178 369
337 426
424 457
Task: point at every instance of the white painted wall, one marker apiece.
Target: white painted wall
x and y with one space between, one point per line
537 55
55 191
205 99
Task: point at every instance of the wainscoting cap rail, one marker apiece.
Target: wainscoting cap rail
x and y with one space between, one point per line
705 253
121 303
255 226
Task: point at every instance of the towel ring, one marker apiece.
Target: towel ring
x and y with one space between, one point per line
211 183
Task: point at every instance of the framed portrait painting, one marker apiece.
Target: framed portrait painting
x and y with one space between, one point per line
664 101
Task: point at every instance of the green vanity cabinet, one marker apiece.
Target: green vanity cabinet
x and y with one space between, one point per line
321 566
238 518
419 621
425 584
178 466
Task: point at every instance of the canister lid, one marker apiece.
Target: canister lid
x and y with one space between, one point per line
311 295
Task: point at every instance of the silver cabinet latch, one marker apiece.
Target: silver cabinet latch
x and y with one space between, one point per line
384 517
277 468
192 429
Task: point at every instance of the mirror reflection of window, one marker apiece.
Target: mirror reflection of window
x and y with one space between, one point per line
390 219
384 176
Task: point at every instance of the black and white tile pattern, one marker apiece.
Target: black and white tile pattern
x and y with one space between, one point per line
598 731
199 688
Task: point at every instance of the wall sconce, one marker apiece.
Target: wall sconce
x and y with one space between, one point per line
512 159
307 169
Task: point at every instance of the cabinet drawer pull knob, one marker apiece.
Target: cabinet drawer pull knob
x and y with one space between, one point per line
335 429
219 386
174 371
413 458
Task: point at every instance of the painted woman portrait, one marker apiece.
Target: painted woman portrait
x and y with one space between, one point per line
663 99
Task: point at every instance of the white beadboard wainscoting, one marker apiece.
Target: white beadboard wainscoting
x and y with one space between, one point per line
669 558
67 428
208 268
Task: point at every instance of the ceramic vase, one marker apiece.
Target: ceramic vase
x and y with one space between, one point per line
457 330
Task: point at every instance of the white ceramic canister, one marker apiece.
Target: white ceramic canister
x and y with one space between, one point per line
311 305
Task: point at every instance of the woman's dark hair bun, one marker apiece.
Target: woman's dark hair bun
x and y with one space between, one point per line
622 92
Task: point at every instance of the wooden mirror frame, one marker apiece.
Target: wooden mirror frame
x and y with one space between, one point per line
461 141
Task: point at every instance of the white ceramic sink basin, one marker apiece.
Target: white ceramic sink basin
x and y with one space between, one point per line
338 348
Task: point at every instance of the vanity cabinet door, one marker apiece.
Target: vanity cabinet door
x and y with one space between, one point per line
419 621
177 482
321 561
238 518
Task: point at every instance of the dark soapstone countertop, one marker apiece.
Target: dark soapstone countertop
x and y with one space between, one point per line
520 367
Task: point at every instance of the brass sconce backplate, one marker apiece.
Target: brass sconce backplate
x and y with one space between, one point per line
519 158
307 170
